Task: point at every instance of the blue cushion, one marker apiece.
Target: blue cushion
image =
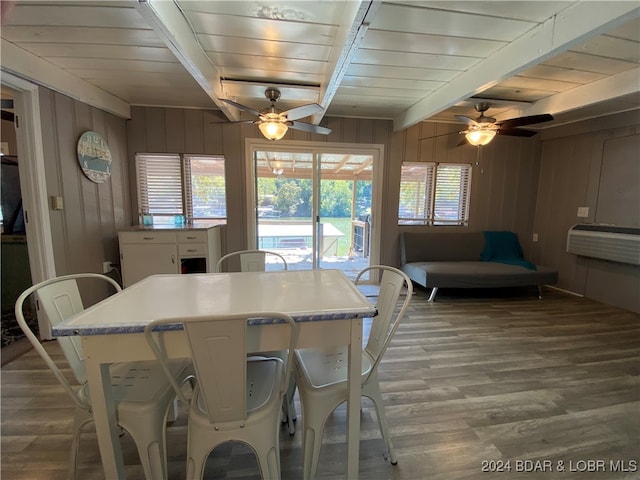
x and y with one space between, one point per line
504 247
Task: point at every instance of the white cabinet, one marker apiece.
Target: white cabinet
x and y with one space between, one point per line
147 251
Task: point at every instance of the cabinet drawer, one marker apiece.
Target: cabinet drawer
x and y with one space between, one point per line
147 237
192 249
192 236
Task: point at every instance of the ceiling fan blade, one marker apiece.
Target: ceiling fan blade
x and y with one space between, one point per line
522 121
467 120
462 142
516 132
438 136
242 107
307 127
302 111
231 123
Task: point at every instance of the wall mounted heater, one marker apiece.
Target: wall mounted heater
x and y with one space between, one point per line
608 242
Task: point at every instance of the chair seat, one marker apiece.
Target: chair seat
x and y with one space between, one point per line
140 382
326 367
264 377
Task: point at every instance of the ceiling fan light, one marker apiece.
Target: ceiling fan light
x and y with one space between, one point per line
273 129
480 137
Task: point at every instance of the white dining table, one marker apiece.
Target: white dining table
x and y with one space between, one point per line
325 303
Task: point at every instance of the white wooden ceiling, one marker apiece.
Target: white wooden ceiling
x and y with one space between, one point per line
405 60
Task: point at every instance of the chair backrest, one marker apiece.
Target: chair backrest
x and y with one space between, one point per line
59 299
251 260
219 353
386 322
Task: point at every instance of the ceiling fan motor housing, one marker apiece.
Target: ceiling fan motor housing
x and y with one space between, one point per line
273 122
272 94
481 108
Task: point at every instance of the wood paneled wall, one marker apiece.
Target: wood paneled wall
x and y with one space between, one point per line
593 164
84 233
503 185
526 185
156 130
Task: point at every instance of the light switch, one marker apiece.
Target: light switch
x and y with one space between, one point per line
583 212
57 203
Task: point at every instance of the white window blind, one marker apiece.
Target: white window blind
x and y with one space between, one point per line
189 185
434 194
159 179
451 200
416 191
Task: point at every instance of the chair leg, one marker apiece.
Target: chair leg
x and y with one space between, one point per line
197 454
290 418
152 451
289 408
373 392
173 411
313 421
268 457
195 468
80 419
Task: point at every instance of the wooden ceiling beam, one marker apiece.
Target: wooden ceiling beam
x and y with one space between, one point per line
609 88
351 32
169 23
577 23
26 65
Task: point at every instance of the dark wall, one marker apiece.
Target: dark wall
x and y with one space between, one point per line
526 185
84 233
594 164
504 178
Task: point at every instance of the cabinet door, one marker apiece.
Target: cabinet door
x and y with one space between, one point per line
141 260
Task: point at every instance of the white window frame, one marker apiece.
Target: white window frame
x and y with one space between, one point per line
431 194
177 186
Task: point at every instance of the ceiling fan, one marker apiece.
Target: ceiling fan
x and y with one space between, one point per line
274 123
481 130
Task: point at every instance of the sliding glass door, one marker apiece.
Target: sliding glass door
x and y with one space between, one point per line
284 205
314 205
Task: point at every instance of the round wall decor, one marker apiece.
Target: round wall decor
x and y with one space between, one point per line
94 157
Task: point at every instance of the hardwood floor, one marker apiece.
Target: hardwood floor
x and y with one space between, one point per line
476 379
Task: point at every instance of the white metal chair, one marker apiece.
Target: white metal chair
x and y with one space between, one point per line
255 261
321 374
237 398
251 260
142 394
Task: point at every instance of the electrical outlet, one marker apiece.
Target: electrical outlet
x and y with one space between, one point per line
107 267
535 237
583 212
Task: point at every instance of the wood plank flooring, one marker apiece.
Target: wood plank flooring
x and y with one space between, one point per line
476 379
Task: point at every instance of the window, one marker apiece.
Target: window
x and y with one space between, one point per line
189 185
434 194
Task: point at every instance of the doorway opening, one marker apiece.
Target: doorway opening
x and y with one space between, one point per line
315 203
16 274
